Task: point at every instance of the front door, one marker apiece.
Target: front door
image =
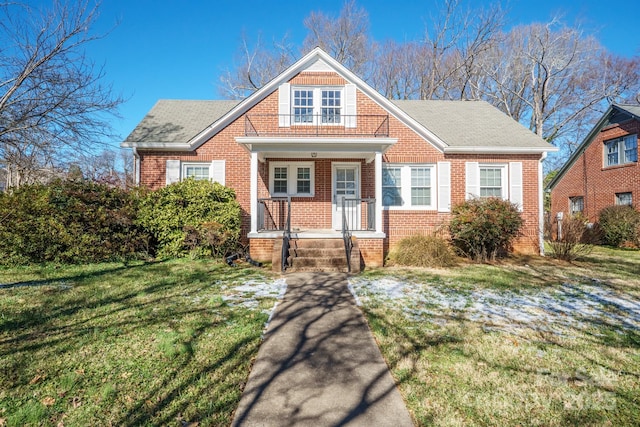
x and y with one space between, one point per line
346 184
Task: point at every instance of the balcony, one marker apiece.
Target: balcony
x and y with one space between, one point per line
318 125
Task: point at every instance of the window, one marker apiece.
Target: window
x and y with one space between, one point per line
621 150
311 105
291 179
196 171
408 186
624 199
576 205
391 186
331 106
420 187
491 182
302 106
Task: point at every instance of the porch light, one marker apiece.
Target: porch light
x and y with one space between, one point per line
314 155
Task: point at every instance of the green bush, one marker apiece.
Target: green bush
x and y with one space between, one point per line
422 251
191 218
620 225
484 228
68 221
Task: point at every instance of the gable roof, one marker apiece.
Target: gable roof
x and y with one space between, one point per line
473 126
450 126
632 111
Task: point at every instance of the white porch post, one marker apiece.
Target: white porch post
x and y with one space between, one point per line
253 192
378 186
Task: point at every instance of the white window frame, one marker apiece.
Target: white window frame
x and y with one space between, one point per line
572 203
504 182
317 105
292 178
186 165
406 185
620 150
619 197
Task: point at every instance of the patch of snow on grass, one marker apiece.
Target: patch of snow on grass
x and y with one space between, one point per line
249 293
551 309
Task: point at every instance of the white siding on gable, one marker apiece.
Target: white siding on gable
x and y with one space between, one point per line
217 172
284 105
319 65
172 171
472 180
350 109
444 186
515 184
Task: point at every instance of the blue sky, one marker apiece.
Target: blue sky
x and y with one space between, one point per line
160 49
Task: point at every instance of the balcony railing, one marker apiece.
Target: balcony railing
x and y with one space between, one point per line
316 125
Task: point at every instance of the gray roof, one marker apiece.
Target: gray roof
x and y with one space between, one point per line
173 120
471 124
634 110
457 123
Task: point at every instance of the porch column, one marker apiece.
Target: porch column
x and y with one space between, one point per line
378 184
253 192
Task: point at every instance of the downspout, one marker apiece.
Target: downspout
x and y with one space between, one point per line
541 203
136 166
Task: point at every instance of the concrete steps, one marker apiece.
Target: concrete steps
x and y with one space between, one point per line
317 255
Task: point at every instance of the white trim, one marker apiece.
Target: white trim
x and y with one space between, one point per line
406 184
378 188
284 105
172 171
253 192
204 165
350 106
471 180
516 189
292 178
541 203
444 186
316 105
218 172
336 216
499 150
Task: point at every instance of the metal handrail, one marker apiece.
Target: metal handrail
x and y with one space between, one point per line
286 237
346 236
317 125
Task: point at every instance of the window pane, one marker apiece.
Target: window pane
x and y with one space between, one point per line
420 186
303 106
612 153
490 182
391 187
304 181
331 106
280 180
197 172
630 148
624 199
576 205
420 196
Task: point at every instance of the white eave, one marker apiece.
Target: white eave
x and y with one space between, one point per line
158 146
498 150
292 147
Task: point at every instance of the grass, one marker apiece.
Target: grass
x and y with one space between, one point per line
455 371
136 344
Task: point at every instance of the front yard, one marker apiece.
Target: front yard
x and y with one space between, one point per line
524 342
528 342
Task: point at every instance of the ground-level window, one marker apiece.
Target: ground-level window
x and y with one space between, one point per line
621 150
408 186
291 179
624 199
198 171
576 205
491 181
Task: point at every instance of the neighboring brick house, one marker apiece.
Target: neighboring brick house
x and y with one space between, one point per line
318 134
604 170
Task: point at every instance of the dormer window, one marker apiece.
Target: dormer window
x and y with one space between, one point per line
317 105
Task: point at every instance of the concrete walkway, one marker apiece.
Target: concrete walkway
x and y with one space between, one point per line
319 364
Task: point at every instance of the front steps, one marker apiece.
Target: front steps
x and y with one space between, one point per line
317 255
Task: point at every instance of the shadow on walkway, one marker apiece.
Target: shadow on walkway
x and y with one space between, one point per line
319 364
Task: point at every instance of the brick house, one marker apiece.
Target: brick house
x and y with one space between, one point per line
319 153
604 170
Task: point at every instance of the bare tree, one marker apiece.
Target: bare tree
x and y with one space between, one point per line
255 65
51 94
345 37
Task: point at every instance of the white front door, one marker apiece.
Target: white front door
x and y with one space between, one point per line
346 184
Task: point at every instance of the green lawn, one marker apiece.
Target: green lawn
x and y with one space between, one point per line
529 341
164 343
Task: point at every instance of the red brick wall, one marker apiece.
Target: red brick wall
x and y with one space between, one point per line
315 212
589 178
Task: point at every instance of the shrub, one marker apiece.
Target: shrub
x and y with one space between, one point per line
422 251
191 217
484 228
575 240
620 225
68 221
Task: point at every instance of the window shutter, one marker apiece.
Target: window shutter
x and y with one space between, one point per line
172 171
284 105
444 186
350 106
217 171
472 180
515 184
